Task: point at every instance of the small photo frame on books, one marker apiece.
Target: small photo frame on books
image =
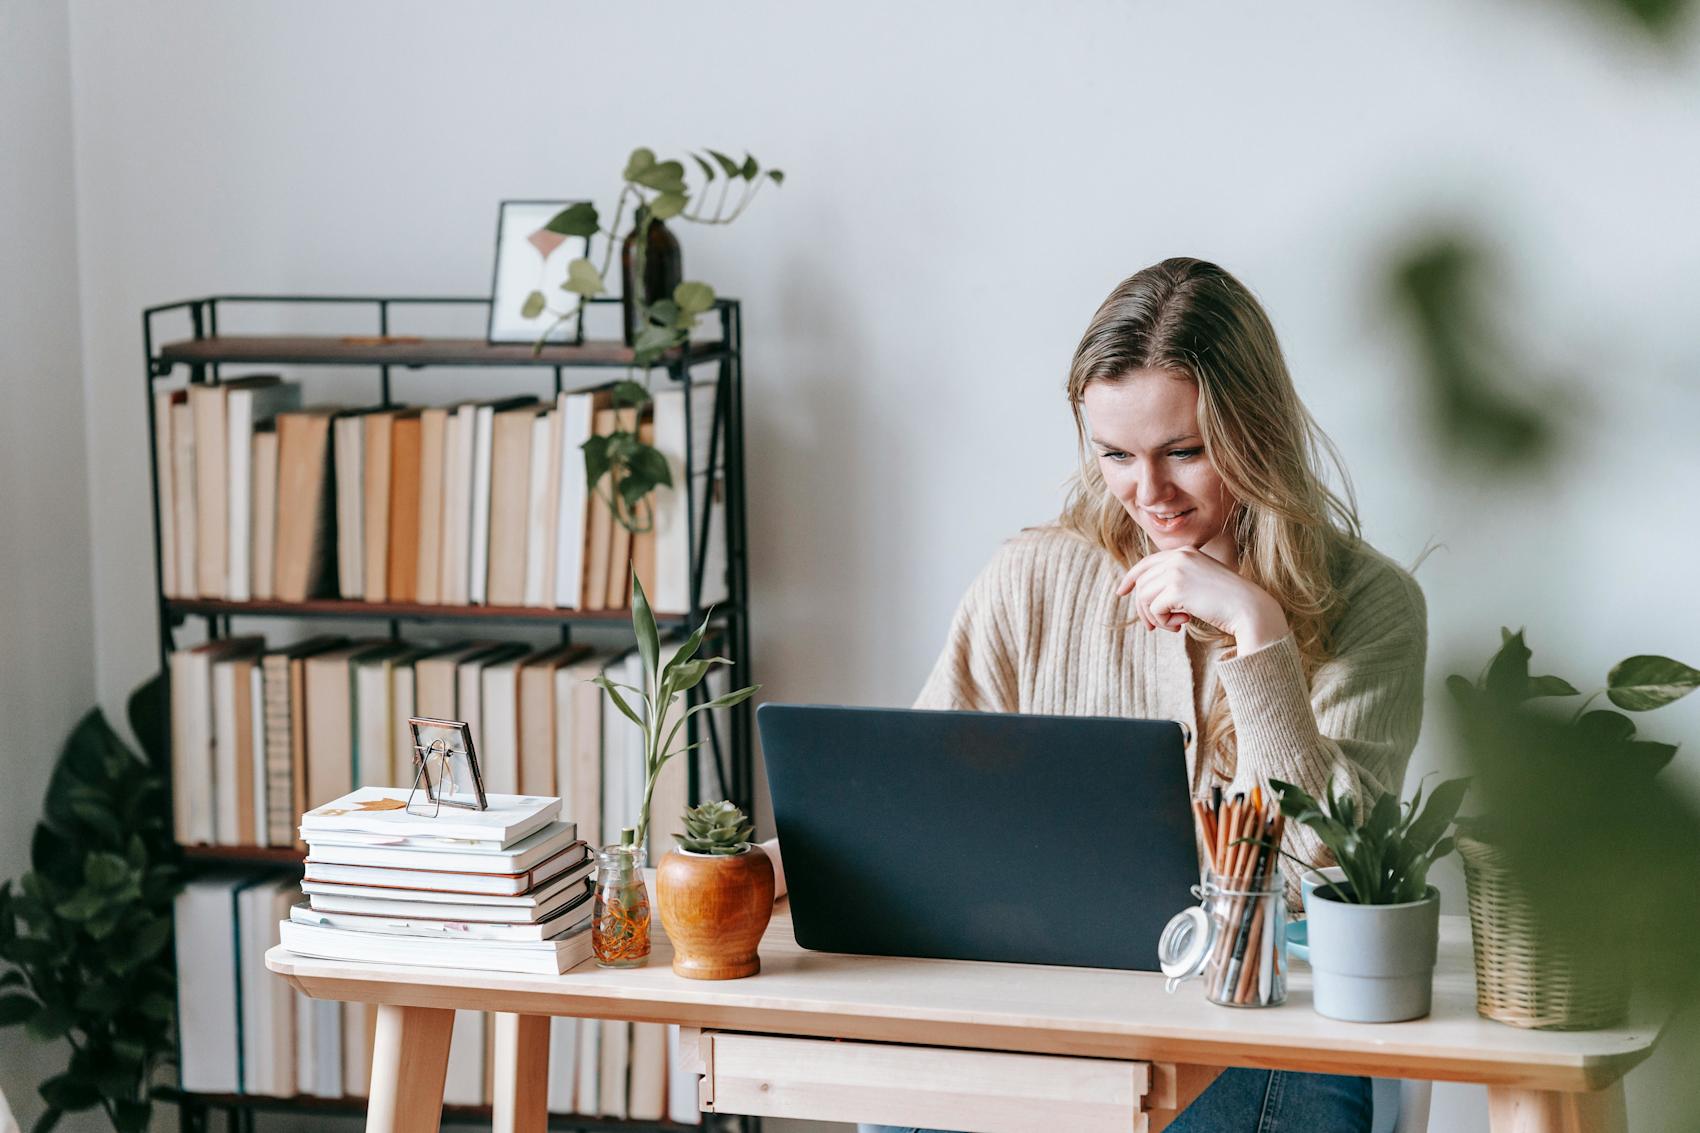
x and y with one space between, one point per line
527 302
445 767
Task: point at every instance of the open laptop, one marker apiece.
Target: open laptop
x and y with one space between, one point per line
980 835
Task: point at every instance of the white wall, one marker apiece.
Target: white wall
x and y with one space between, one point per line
47 668
966 182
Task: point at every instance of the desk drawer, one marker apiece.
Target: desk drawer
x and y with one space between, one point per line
975 1091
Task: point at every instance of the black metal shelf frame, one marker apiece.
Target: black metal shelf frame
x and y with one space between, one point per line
729 630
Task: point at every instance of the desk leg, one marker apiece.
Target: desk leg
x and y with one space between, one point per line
1513 1110
409 1061
521 1077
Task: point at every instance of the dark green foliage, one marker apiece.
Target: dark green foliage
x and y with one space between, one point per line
1386 851
85 935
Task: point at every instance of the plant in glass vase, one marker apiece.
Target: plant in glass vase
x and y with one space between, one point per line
622 937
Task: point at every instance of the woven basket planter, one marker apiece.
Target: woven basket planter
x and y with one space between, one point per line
1531 973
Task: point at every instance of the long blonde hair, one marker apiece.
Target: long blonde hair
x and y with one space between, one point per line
1195 322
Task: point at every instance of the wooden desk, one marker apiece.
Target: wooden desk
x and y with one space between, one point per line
1121 1053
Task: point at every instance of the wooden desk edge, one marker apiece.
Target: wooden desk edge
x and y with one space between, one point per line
1561 1073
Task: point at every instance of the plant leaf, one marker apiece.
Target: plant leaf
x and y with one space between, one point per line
669 204
1508 672
1552 686
15 1009
619 701
1645 682
749 168
693 298
640 160
1649 757
533 305
643 624
730 167
777 176
664 177
707 169
48 1120
1425 833
583 278
1604 728
577 219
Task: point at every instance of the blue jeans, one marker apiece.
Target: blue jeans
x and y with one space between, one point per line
1263 1101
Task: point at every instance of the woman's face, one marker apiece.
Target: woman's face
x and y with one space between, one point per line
1144 433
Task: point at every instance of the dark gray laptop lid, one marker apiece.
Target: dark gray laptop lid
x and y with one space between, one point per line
980 836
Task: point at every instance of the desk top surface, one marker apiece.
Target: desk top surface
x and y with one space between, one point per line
1082 1011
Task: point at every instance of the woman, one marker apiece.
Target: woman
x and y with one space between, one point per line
1202 571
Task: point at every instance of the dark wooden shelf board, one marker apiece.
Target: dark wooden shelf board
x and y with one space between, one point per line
412 611
353 351
278 855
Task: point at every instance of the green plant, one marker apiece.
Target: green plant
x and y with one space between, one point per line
1386 848
715 828
682 673
1497 700
84 937
657 191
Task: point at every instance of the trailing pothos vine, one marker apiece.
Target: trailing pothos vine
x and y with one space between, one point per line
655 190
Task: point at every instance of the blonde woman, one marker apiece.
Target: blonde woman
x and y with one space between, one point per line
1203 571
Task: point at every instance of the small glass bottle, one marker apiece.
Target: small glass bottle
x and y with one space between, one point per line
663 269
619 924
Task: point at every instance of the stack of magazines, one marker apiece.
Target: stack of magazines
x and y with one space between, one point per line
506 889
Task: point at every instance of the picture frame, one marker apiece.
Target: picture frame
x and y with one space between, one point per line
529 259
450 742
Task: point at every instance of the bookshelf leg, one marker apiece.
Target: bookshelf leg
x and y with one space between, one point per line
409 1062
521 1077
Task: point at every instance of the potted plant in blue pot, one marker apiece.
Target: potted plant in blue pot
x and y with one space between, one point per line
1373 936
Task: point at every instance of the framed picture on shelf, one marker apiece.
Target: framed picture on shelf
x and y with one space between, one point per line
527 302
445 767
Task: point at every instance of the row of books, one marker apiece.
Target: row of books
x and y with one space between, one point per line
260 735
245 1031
476 503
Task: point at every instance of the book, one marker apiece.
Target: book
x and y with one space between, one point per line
619 593
268 1005
282 674
428 569
206 402
497 734
538 715
375 721
673 550
318 1037
404 704
569 919
249 404
204 914
435 689
542 509
510 502
260 813
332 723
348 438
183 494
683 1105
548 957
165 493
330 898
599 528
578 743
469 691
407 471
262 585
375 483
589 1071
616 1062
193 763
233 749
529 851
647 1089
569 859
378 810
577 425
643 543
563 1063
483 468
455 541
306 527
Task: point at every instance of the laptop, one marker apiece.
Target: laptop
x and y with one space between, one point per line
980 835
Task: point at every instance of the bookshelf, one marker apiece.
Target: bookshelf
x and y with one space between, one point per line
185 339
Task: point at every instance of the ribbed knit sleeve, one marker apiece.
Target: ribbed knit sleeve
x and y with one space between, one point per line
977 671
1355 723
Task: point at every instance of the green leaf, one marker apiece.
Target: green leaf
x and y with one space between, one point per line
595 459
750 168
70 1094
657 340
630 394
707 169
693 298
533 305
732 698
619 701
1649 757
648 463
104 870
690 674
52 1021
48 1120
777 177
87 903
583 278
1437 817
15 1009
1552 686
643 624
1604 728
578 219
158 1006
664 177
730 167
1645 682
669 204
131 1116
642 159
664 312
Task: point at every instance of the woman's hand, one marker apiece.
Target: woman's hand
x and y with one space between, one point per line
1170 587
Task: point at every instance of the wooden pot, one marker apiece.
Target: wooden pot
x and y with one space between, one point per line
715 908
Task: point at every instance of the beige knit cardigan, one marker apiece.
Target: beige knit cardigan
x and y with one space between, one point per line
1037 632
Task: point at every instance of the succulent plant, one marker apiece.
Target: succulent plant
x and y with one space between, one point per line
715 828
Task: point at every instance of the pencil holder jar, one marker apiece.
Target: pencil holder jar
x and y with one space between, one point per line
1235 940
